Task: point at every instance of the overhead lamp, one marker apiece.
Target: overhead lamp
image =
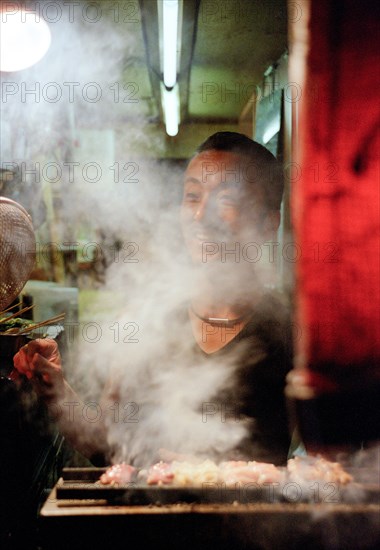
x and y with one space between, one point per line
170 31
170 105
25 38
170 26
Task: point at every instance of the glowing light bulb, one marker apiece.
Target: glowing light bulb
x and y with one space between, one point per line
25 38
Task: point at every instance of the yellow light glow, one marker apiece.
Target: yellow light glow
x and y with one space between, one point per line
25 38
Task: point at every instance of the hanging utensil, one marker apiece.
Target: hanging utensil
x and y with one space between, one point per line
17 250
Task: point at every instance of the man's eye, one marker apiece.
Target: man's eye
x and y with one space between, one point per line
228 200
192 197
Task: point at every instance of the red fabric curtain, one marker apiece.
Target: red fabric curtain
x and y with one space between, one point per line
335 200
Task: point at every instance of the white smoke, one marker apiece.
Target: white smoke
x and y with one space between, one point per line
163 390
150 278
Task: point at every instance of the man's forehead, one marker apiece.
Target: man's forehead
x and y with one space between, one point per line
219 158
227 183
222 168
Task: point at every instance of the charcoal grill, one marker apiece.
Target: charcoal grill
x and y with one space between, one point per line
81 513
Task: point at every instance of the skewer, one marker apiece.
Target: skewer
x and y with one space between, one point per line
30 328
17 314
12 307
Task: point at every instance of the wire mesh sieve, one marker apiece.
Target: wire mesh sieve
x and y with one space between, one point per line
17 250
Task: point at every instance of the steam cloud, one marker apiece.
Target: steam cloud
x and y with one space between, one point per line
47 112
163 387
164 391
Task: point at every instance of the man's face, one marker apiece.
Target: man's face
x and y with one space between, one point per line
217 211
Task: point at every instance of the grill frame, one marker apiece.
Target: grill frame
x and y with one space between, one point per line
98 524
82 484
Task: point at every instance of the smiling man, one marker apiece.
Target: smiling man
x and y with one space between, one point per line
231 206
232 196
209 378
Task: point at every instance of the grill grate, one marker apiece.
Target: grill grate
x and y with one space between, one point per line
83 484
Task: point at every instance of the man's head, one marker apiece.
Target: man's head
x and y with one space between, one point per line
232 194
259 168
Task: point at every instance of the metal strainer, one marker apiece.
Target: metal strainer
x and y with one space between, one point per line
17 250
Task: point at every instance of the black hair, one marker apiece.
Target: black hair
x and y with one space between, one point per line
266 170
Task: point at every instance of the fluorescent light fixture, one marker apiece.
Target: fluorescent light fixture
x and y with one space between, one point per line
170 15
272 130
170 30
170 104
24 38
